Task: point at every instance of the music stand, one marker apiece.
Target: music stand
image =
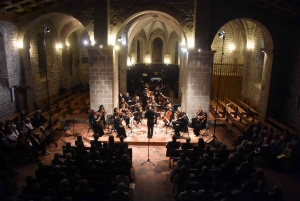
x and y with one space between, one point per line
148 160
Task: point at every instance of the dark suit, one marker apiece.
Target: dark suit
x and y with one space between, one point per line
187 146
96 143
172 145
120 129
151 116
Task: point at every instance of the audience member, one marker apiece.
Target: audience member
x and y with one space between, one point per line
120 194
188 194
172 145
187 144
56 160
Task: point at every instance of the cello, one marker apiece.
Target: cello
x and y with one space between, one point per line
168 115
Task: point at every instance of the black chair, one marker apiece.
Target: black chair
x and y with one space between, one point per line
207 128
89 128
67 126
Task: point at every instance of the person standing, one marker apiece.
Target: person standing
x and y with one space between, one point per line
151 116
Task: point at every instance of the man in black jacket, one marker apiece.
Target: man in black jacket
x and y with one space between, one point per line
151 117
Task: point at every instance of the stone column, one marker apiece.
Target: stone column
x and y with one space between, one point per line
103 73
101 18
265 82
246 71
202 20
122 55
198 74
27 76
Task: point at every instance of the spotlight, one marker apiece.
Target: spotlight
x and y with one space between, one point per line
59 46
101 46
199 50
184 49
46 29
221 34
85 42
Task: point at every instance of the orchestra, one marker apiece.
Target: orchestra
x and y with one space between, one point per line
132 110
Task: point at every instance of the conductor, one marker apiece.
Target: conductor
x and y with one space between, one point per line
151 117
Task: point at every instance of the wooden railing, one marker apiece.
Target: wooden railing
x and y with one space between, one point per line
228 69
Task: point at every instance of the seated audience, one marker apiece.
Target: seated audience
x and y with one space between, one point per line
187 144
122 177
69 149
56 160
120 194
172 145
122 142
97 143
189 194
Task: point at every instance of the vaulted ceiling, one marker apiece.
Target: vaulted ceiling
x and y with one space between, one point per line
12 9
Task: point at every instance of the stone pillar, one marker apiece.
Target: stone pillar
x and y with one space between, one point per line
103 73
122 55
265 82
246 71
202 19
198 74
27 76
101 18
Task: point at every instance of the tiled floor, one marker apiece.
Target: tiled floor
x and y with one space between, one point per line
152 182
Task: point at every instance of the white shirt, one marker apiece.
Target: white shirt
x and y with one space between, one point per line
29 126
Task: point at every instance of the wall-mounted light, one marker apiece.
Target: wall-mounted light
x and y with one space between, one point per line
184 49
67 44
221 34
19 44
101 46
199 50
85 42
231 47
59 46
116 47
93 42
148 60
250 45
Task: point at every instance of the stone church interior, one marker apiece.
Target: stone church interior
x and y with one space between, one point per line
149 100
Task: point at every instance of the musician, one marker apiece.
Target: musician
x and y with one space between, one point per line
137 100
123 102
97 124
151 117
145 98
102 113
127 97
169 114
157 93
118 126
181 123
199 114
124 115
152 101
91 116
201 123
138 111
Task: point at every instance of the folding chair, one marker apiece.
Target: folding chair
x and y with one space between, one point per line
67 126
89 128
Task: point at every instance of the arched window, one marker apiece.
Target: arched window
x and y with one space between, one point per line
157 50
138 52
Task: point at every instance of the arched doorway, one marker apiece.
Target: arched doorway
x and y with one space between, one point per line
245 63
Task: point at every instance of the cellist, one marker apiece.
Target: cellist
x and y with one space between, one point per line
169 114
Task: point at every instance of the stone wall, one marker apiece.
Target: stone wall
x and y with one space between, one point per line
10 72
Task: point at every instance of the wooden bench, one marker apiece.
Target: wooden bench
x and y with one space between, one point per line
228 109
294 126
281 126
251 103
250 111
215 111
238 110
258 119
237 123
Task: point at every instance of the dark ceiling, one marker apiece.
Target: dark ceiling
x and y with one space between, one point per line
19 8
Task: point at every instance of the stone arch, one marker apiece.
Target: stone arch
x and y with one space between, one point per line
158 33
255 85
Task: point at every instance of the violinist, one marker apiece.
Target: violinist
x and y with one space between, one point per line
199 114
97 124
137 100
102 112
138 111
127 97
200 124
118 126
181 123
152 101
124 115
123 102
